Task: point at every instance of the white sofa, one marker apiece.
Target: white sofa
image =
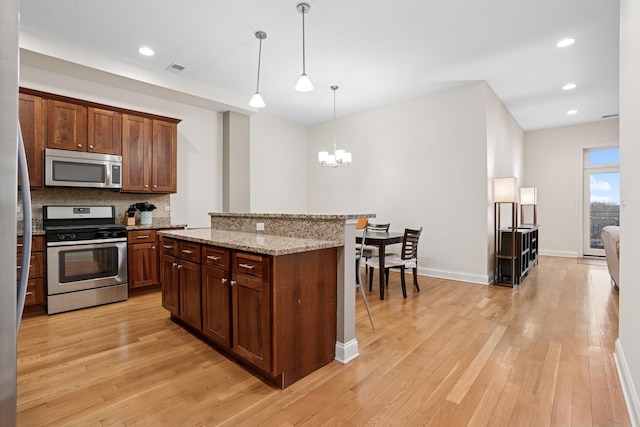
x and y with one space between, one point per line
610 236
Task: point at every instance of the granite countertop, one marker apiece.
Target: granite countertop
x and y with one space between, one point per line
266 244
155 226
291 216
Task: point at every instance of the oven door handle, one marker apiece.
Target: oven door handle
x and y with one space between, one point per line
86 242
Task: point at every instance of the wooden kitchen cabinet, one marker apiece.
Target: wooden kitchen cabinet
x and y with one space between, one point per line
143 258
30 112
104 131
35 284
181 281
276 314
216 295
149 160
251 302
66 125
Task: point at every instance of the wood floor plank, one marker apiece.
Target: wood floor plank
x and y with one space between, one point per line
454 354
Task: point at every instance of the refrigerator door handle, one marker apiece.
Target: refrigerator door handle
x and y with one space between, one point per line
27 232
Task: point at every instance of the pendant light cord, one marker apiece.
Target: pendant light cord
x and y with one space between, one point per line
304 10
259 57
334 88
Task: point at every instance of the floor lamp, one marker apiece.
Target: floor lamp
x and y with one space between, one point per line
504 193
529 197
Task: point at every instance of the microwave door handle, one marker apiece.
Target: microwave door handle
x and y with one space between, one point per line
108 174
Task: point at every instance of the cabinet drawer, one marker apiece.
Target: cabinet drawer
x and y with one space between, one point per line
142 236
170 246
252 265
213 256
190 251
36 265
35 292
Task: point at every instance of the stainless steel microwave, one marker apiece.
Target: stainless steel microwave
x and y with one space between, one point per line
66 168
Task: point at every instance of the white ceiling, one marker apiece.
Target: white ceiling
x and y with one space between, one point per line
378 51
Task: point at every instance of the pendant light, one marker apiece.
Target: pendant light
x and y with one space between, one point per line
256 100
304 84
339 157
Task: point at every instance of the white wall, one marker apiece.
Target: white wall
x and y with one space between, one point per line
199 139
278 165
553 164
628 345
505 158
415 163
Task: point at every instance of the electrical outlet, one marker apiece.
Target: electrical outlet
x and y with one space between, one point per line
167 208
18 209
260 226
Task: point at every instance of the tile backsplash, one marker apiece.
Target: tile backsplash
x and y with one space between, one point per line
74 196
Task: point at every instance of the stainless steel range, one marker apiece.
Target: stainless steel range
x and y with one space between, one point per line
86 257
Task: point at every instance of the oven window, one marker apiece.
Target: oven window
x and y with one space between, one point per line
85 264
78 172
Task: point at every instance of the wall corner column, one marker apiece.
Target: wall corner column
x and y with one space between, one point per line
236 167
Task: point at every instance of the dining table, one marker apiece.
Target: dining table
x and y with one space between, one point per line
381 239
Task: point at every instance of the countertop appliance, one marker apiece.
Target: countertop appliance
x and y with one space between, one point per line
86 257
66 168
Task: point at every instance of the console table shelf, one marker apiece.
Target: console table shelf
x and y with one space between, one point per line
512 267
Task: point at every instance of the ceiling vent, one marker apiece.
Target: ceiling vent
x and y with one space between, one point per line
175 68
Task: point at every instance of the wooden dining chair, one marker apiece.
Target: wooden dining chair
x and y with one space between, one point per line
371 251
361 224
408 258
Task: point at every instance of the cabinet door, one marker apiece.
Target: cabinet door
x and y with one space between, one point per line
216 300
170 289
251 333
136 154
66 125
143 264
164 157
190 293
104 131
32 126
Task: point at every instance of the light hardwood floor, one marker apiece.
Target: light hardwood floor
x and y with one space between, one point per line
454 354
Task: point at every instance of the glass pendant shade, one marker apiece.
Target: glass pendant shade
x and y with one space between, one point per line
257 101
304 84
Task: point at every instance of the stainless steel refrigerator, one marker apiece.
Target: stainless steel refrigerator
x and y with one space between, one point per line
9 59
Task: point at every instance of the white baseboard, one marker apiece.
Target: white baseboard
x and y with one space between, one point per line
628 389
346 352
454 275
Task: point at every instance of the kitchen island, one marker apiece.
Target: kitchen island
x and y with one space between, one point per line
273 299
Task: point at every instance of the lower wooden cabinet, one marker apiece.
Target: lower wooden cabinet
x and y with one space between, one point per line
276 314
36 283
143 258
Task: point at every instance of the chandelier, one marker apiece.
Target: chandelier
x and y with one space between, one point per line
339 157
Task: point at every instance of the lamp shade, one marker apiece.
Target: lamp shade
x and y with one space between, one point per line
504 189
529 196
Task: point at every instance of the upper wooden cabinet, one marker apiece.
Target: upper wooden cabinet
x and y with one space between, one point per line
66 125
30 111
104 131
149 155
146 142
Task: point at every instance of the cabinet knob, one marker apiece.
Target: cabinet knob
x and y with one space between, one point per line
146 186
233 282
223 280
179 266
153 247
79 145
174 264
155 185
91 146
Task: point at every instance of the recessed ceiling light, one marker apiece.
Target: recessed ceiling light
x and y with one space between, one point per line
572 112
565 42
569 86
146 51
